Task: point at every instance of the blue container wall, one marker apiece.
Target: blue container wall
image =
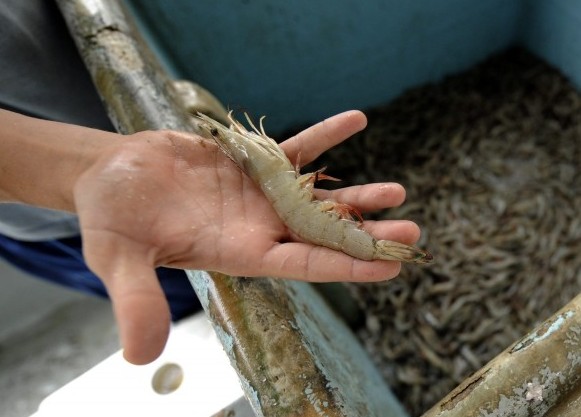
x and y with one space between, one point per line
300 61
552 30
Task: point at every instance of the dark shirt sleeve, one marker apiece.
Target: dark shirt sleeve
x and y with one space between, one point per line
41 72
42 75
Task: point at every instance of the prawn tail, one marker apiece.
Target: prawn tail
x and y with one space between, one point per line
395 251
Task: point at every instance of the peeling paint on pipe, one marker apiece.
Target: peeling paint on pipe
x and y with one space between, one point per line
137 93
537 375
294 356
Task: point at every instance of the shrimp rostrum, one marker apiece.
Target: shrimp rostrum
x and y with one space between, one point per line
323 223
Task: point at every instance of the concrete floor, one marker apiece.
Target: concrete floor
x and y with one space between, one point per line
48 336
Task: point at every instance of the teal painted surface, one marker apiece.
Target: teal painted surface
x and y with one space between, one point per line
341 357
300 61
356 384
552 30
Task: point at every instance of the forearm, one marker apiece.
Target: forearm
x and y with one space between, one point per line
41 160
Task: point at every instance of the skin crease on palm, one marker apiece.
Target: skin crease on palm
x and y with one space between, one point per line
165 198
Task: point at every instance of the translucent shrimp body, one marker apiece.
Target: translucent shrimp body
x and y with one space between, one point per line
291 195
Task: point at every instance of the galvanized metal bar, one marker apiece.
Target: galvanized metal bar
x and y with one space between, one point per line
293 356
137 94
539 375
136 91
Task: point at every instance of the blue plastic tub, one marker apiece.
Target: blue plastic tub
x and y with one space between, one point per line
300 61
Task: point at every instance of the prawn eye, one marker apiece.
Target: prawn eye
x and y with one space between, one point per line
214 131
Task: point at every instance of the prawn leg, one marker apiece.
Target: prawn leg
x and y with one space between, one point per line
344 211
308 180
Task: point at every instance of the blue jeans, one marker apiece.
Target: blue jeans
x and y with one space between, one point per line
61 261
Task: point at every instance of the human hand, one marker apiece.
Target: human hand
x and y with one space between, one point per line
173 199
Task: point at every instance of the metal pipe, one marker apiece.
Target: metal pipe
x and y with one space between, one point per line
539 375
136 92
293 356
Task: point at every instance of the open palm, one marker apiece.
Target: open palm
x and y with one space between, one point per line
173 199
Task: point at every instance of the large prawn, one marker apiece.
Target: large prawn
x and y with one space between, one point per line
325 223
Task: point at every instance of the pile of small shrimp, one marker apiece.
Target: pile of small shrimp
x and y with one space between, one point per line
490 160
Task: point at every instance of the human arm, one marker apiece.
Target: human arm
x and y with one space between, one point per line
173 199
40 160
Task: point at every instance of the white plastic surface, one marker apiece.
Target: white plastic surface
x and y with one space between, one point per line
115 387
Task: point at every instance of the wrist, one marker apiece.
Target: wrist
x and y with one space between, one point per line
41 160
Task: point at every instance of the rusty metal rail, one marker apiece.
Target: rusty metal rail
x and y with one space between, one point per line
293 355
539 375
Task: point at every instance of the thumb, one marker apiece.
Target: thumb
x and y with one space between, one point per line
139 304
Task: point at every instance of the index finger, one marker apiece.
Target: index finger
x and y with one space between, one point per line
313 141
